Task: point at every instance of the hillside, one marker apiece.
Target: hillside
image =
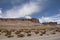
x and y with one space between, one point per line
24 23
28 29
18 23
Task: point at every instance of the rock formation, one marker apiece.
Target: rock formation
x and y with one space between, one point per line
23 23
16 20
16 23
50 23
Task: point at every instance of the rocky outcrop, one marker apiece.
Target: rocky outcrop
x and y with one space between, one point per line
17 20
32 20
50 23
18 23
12 23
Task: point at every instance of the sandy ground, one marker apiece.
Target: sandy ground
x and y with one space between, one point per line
36 37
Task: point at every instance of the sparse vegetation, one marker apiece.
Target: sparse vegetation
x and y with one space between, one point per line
53 33
28 31
12 30
41 34
20 35
8 33
17 32
9 36
36 32
57 29
4 31
0 30
28 34
0 33
20 32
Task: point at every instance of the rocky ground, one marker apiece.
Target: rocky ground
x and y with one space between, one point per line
30 34
28 29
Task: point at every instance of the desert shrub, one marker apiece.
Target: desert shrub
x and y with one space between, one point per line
41 34
27 31
53 33
0 30
36 32
4 31
57 30
20 35
28 34
17 32
21 30
8 33
0 33
44 32
12 30
9 36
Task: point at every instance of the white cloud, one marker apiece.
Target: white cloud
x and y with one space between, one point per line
25 9
0 12
46 19
49 19
28 17
54 18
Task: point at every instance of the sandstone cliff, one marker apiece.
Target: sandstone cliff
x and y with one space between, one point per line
24 23
18 23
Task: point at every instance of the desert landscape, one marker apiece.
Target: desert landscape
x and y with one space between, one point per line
29 19
28 29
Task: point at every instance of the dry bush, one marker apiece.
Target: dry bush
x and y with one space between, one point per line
53 32
9 36
4 31
28 34
0 30
8 33
21 30
43 32
20 35
0 33
27 31
12 30
57 29
36 32
17 32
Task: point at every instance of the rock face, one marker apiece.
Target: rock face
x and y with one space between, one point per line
12 23
50 23
16 23
16 20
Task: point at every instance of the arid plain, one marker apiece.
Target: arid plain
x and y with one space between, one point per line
28 29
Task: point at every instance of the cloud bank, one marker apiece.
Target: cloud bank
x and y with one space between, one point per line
0 13
28 17
29 8
26 9
54 18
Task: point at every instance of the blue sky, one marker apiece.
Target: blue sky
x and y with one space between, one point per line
49 7
32 8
